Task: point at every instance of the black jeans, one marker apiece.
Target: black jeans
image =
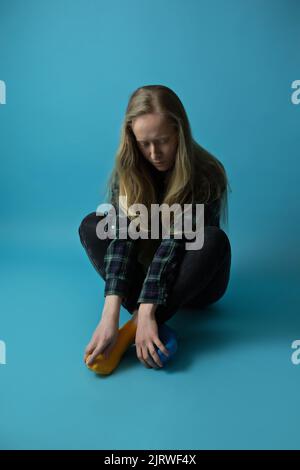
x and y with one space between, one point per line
202 278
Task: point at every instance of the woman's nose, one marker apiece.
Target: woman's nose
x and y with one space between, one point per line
154 151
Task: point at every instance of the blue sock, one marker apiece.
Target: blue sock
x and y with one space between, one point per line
168 336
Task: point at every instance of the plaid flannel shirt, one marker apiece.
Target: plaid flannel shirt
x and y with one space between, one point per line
120 258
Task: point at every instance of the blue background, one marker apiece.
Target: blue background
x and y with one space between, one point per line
69 69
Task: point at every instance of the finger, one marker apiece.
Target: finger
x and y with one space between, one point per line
89 348
155 356
147 358
153 362
140 357
88 351
107 351
86 355
161 346
93 356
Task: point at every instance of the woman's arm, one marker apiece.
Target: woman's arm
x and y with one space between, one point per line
106 332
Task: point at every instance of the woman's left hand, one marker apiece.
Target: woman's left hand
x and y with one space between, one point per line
146 338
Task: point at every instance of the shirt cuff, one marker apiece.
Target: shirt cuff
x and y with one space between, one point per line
115 286
153 294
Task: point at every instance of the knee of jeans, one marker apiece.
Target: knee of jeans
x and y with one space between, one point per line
218 237
85 224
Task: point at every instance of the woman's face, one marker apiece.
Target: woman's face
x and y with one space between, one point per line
157 140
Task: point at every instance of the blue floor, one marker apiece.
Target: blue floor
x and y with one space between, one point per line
231 385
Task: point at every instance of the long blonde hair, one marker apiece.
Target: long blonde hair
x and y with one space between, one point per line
197 176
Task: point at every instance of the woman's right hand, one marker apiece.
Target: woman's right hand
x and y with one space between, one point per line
103 339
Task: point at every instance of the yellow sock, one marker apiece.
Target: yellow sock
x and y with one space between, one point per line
126 337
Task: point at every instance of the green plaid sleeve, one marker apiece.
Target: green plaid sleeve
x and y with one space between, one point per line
162 272
117 262
118 257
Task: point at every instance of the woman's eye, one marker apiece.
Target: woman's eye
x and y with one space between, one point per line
163 141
